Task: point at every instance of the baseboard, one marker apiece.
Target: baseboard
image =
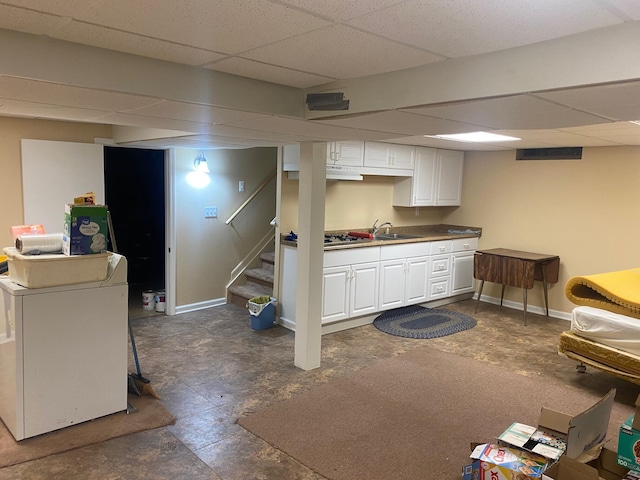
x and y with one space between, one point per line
192 307
520 306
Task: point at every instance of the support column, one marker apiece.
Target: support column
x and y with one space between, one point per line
311 205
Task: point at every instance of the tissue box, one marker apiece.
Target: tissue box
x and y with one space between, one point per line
85 229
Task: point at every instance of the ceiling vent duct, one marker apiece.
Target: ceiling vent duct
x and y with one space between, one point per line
565 153
327 101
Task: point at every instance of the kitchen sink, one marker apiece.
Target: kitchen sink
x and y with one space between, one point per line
394 236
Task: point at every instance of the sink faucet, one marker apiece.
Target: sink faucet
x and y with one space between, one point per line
376 228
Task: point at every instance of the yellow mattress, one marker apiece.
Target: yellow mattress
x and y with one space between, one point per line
623 364
617 292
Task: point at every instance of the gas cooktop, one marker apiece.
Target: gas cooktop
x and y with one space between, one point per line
344 238
332 239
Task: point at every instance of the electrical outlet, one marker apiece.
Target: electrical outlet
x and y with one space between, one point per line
241 186
210 212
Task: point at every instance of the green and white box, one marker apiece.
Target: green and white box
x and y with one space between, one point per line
629 446
85 229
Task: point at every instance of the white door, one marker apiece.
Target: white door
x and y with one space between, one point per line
349 153
403 156
462 280
392 280
335 293
416 280
424 177
449 184
364 289
376 154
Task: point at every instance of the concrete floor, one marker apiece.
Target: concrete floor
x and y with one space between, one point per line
210 368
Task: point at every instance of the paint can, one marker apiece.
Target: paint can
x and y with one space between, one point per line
161 301
148 300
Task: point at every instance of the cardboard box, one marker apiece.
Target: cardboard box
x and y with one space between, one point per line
584 433
534 440
629 441
85 229
604 467
52 270
495 462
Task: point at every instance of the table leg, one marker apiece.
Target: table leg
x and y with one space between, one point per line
479 295
544 287
502 294
524 303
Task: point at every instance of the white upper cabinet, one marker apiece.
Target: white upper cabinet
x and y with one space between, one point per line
388 155
345 153
449 177
436 181
419 190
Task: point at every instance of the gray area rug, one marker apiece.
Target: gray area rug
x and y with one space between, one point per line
414 416
416 321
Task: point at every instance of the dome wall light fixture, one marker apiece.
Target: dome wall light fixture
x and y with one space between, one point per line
200 164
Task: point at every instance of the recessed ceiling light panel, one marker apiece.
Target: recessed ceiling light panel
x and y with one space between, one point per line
476 137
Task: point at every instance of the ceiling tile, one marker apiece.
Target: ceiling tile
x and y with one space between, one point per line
40 110
615 128
217 25
322 52
283 138
341 10
64 95
400 122
269 73
120 41
63 8
470 27
620 101
627 7
28 21
515 112
554 138
311 130
204 114
131 120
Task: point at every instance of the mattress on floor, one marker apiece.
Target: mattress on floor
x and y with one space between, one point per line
609 359
608 328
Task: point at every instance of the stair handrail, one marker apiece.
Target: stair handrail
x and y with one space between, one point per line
251 197
251 256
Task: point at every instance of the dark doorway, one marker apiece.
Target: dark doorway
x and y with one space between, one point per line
135 194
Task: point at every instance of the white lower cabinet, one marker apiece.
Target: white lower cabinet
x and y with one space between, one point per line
350 289
462 280
404 270
366 280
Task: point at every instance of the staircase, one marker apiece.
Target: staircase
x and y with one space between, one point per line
259 281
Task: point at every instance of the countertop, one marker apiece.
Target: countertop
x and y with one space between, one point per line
424 233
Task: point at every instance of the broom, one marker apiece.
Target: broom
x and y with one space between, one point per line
136 383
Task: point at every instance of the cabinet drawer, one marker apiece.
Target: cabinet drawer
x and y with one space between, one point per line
438 288
464 244
440 247
440 265
350 256
405 250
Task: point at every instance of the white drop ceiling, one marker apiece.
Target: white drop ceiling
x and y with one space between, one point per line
284 49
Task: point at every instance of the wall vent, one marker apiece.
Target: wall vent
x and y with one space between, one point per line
565 153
